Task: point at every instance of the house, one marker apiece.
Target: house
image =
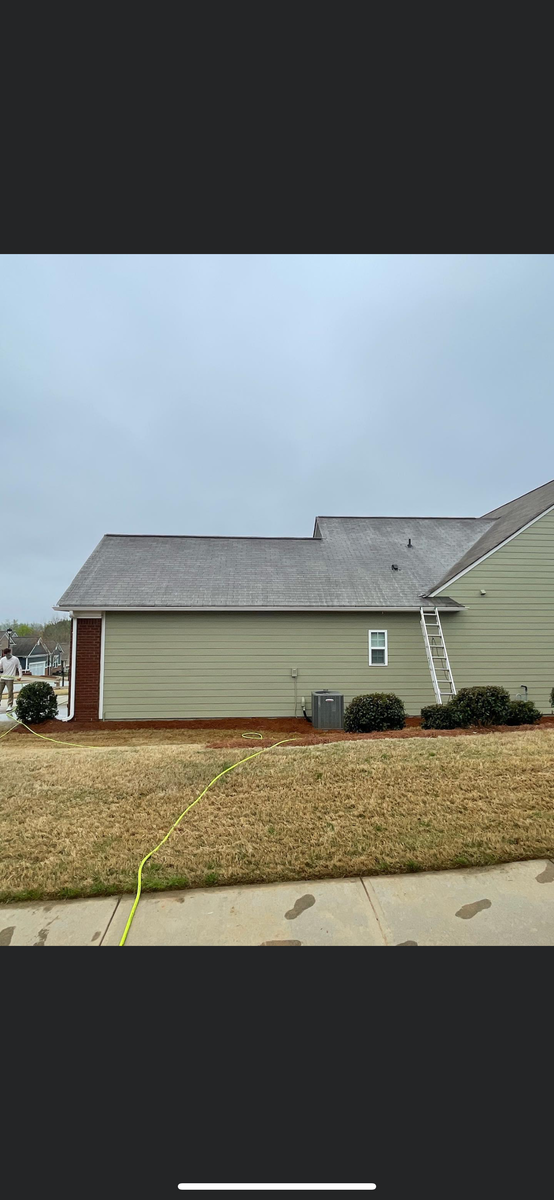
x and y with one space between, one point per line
183 627
59 656
32 653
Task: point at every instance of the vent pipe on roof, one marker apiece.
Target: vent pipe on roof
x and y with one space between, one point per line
409 543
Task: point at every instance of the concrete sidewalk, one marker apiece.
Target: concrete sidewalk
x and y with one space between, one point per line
509 905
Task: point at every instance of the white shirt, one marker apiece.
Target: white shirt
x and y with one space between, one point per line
10 667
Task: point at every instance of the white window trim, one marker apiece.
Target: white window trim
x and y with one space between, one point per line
386 647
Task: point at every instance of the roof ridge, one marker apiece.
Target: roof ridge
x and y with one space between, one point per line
218 537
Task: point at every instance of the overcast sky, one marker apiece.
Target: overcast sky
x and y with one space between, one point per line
245 394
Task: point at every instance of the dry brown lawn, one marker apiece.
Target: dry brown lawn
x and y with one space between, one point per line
78 821
105 736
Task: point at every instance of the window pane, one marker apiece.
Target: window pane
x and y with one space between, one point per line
377 656
378 639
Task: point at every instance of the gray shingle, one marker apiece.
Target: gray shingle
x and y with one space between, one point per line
348 564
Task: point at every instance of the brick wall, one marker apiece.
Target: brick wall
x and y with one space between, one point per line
87 669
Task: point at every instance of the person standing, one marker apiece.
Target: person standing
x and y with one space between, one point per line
10 669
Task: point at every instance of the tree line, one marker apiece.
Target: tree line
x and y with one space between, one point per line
54 631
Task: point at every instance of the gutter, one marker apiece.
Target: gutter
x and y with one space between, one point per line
375 608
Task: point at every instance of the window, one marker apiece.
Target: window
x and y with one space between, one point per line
378 648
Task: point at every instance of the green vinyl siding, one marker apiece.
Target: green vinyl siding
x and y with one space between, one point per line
507 636
184 665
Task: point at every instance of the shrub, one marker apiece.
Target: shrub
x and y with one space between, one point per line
440 716
479 706
489 705
36 702
523 712
552 698
376 711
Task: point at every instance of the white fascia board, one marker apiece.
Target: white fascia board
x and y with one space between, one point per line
376 608
82 612
477 562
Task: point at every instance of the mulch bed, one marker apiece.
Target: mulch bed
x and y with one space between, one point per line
278 727
314 739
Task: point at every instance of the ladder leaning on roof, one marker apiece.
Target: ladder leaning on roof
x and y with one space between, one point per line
437 655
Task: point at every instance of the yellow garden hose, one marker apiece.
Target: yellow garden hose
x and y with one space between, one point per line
183 814
78 745
248 758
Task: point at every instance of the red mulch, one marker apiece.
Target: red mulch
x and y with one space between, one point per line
275 726
315 739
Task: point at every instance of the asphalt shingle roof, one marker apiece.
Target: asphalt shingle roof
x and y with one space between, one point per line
348 564
23 646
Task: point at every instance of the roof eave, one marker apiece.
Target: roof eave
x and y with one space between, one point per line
76 609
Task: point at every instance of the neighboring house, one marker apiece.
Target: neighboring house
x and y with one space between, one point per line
183 627
6 641
32 653
59 656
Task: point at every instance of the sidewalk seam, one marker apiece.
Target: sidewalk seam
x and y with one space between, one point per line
101 942
376 914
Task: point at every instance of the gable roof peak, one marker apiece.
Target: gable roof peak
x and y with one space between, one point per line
505 522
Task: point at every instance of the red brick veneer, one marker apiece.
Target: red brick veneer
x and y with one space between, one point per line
87 668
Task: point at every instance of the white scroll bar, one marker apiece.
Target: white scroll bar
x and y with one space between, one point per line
277 1187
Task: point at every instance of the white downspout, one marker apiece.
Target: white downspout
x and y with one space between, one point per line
101 688
71 712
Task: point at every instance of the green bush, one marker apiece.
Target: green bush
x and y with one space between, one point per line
488 705
523 712
552 698
375 711
36 702
440 716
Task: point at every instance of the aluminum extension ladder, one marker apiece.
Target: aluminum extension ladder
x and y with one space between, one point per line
437 655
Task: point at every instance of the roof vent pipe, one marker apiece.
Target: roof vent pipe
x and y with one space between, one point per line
409 543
